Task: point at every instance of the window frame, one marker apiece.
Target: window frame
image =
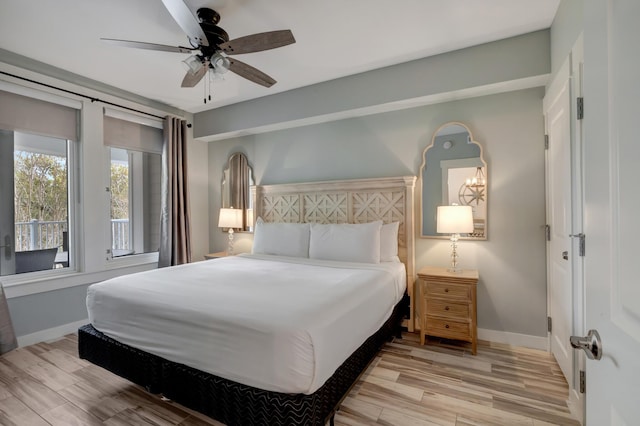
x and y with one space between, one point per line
38 99
136 185
88 259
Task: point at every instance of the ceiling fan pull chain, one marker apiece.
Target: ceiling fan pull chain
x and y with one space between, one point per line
210 82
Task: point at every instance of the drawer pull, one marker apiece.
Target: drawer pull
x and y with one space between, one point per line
446 326
446 290
446 308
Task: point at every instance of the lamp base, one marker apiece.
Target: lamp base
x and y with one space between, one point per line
454 268
230 244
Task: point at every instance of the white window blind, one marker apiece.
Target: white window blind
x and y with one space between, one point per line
27 114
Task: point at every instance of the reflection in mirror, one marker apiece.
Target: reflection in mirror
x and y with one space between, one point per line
453 171
237 178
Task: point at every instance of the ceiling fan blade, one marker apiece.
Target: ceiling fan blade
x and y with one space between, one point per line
187 21
148 46
258 42
191 79
250 73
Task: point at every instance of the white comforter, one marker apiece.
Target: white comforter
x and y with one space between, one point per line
275 323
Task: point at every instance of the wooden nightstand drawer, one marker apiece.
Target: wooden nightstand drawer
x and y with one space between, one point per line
447 309
448 328
448 291
447 304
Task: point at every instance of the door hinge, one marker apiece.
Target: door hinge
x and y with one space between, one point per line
549 324
547 232
582 245
580 107
583 381
546 141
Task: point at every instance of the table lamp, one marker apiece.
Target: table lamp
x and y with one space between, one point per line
230 218
454 220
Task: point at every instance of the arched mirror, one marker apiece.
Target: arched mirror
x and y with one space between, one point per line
237 178
453 171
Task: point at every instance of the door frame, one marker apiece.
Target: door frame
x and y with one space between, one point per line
577 400
575 60
7 213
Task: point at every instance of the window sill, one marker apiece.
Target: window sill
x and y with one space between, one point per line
40 282
131 260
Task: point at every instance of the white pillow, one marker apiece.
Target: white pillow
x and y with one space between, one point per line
346 242
282 239
389 242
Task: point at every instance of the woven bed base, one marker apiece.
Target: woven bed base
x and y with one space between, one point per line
226 401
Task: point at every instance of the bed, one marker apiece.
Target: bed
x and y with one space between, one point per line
298 331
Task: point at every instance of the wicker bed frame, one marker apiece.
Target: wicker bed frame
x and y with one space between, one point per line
353 201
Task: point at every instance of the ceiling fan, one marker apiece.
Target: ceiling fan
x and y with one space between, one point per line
208 43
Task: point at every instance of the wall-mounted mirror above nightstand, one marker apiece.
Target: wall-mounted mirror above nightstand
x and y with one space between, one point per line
237 179
453 171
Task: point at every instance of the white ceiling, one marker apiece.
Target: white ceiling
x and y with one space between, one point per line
335 38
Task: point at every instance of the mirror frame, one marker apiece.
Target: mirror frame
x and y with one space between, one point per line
227 187
420 185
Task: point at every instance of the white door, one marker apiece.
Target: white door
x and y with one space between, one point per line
557 112
7 229
612 208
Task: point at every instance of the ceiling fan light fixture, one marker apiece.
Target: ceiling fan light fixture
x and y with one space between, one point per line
193 64
219 63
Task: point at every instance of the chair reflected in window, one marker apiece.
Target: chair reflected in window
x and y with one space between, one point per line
62 258
35 260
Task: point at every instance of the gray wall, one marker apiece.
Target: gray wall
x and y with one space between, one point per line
419 82
567 26
41 311
512 290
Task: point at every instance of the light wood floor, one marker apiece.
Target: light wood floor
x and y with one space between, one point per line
406 385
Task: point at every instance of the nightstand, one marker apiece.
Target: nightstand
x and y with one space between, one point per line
447 304
215 255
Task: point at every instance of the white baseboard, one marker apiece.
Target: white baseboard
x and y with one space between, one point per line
514 339
50 333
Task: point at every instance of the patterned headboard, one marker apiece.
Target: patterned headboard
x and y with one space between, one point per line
346 201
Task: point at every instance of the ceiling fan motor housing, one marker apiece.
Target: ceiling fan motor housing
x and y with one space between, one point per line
215 35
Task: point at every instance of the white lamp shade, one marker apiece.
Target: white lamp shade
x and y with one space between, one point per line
220 63
193 63
230 218
454 219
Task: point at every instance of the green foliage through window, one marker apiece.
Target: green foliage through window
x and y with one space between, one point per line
40 187
119 191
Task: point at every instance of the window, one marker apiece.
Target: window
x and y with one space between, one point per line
36 152
135 202
135 170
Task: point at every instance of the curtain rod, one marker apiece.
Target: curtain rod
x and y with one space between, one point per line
80 94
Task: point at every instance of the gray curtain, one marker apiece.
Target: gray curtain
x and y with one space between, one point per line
7 336
175 233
